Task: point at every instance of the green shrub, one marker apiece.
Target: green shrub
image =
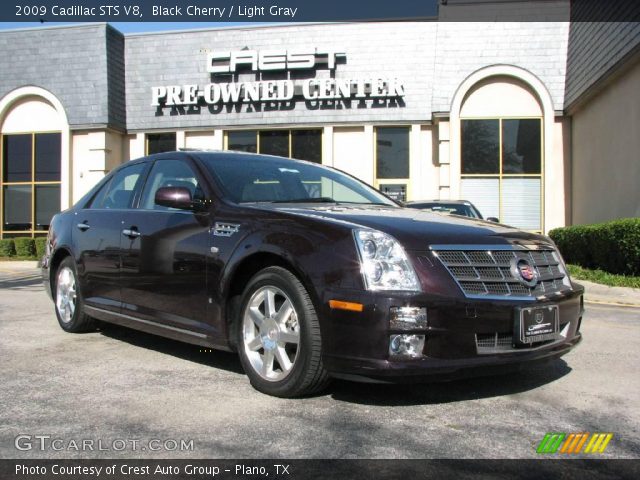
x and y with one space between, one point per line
25 247
41 243
613 246
7 247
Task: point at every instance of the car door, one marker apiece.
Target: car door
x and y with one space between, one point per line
163 276
97 236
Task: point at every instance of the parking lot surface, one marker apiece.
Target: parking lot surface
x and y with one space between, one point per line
118 386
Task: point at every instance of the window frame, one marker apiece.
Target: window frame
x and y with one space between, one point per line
290 139
500 176
146 141
377 182
33 232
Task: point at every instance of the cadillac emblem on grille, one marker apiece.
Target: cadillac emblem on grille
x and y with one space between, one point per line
524 272
504 271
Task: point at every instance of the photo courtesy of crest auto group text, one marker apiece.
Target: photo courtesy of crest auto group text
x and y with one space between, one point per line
235 249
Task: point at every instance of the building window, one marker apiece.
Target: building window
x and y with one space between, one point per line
307 145
243 141
161 142
502 169
392 161
275 142
300 144
30 182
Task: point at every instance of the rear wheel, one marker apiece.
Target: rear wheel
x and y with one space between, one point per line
68 300
279 336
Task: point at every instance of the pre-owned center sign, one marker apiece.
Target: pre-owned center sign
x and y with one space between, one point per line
230 63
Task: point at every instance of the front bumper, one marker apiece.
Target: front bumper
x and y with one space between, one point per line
356 344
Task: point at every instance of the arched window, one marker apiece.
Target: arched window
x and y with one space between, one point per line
501 152
30 167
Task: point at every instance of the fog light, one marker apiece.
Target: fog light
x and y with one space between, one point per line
407 318
410 346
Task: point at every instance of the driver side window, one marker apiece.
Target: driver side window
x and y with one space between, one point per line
169 173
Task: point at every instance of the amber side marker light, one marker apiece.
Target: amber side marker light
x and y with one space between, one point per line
350 306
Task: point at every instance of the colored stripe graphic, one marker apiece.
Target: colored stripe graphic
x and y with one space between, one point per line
550 442
598 443
572 443
580 443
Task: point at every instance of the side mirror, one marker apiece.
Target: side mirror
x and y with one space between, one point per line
175 197
493 219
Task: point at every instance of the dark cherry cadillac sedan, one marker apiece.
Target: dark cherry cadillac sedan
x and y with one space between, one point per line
307 272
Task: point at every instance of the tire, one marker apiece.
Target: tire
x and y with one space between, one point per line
67 299
278 336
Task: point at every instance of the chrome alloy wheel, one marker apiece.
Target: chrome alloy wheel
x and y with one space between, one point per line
271 333
66 294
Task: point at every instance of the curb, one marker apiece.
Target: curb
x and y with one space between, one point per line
613 304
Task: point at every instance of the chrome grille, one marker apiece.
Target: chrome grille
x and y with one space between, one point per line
494 341
487 271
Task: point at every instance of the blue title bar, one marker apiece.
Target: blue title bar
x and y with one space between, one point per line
215 10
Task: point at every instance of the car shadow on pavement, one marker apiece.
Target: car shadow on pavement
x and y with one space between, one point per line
21 283
357 392
185 351
448 392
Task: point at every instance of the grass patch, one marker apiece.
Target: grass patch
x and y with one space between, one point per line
602 277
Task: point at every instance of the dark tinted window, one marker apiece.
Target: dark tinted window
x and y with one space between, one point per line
480 146
243 141
307 145
47 205
392 152
275 142
161 142
17 207
121 188
521 146
47 157
169 173
16 155
98 197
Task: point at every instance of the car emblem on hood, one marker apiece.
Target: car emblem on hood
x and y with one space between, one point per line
524 271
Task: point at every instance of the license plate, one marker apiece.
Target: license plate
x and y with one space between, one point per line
537 324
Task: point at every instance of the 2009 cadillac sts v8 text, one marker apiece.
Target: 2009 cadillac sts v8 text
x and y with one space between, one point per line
307 273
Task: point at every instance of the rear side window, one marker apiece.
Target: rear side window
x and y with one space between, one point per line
118 193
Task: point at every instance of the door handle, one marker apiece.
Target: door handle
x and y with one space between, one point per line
83 226
131 233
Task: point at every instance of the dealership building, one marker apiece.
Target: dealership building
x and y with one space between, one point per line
537 123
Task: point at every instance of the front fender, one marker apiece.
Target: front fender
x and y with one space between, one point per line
322 258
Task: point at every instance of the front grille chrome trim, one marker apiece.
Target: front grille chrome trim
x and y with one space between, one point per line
496 343
485 271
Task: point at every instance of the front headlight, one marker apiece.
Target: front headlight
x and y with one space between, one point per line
384 263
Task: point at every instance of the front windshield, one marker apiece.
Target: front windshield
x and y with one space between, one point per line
253 179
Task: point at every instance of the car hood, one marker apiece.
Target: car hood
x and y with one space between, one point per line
415 229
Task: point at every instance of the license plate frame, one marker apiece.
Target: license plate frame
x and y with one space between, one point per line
537 324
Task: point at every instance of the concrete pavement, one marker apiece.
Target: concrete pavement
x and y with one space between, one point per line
119 384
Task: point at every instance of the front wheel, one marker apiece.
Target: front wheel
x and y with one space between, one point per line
68 300
279 336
